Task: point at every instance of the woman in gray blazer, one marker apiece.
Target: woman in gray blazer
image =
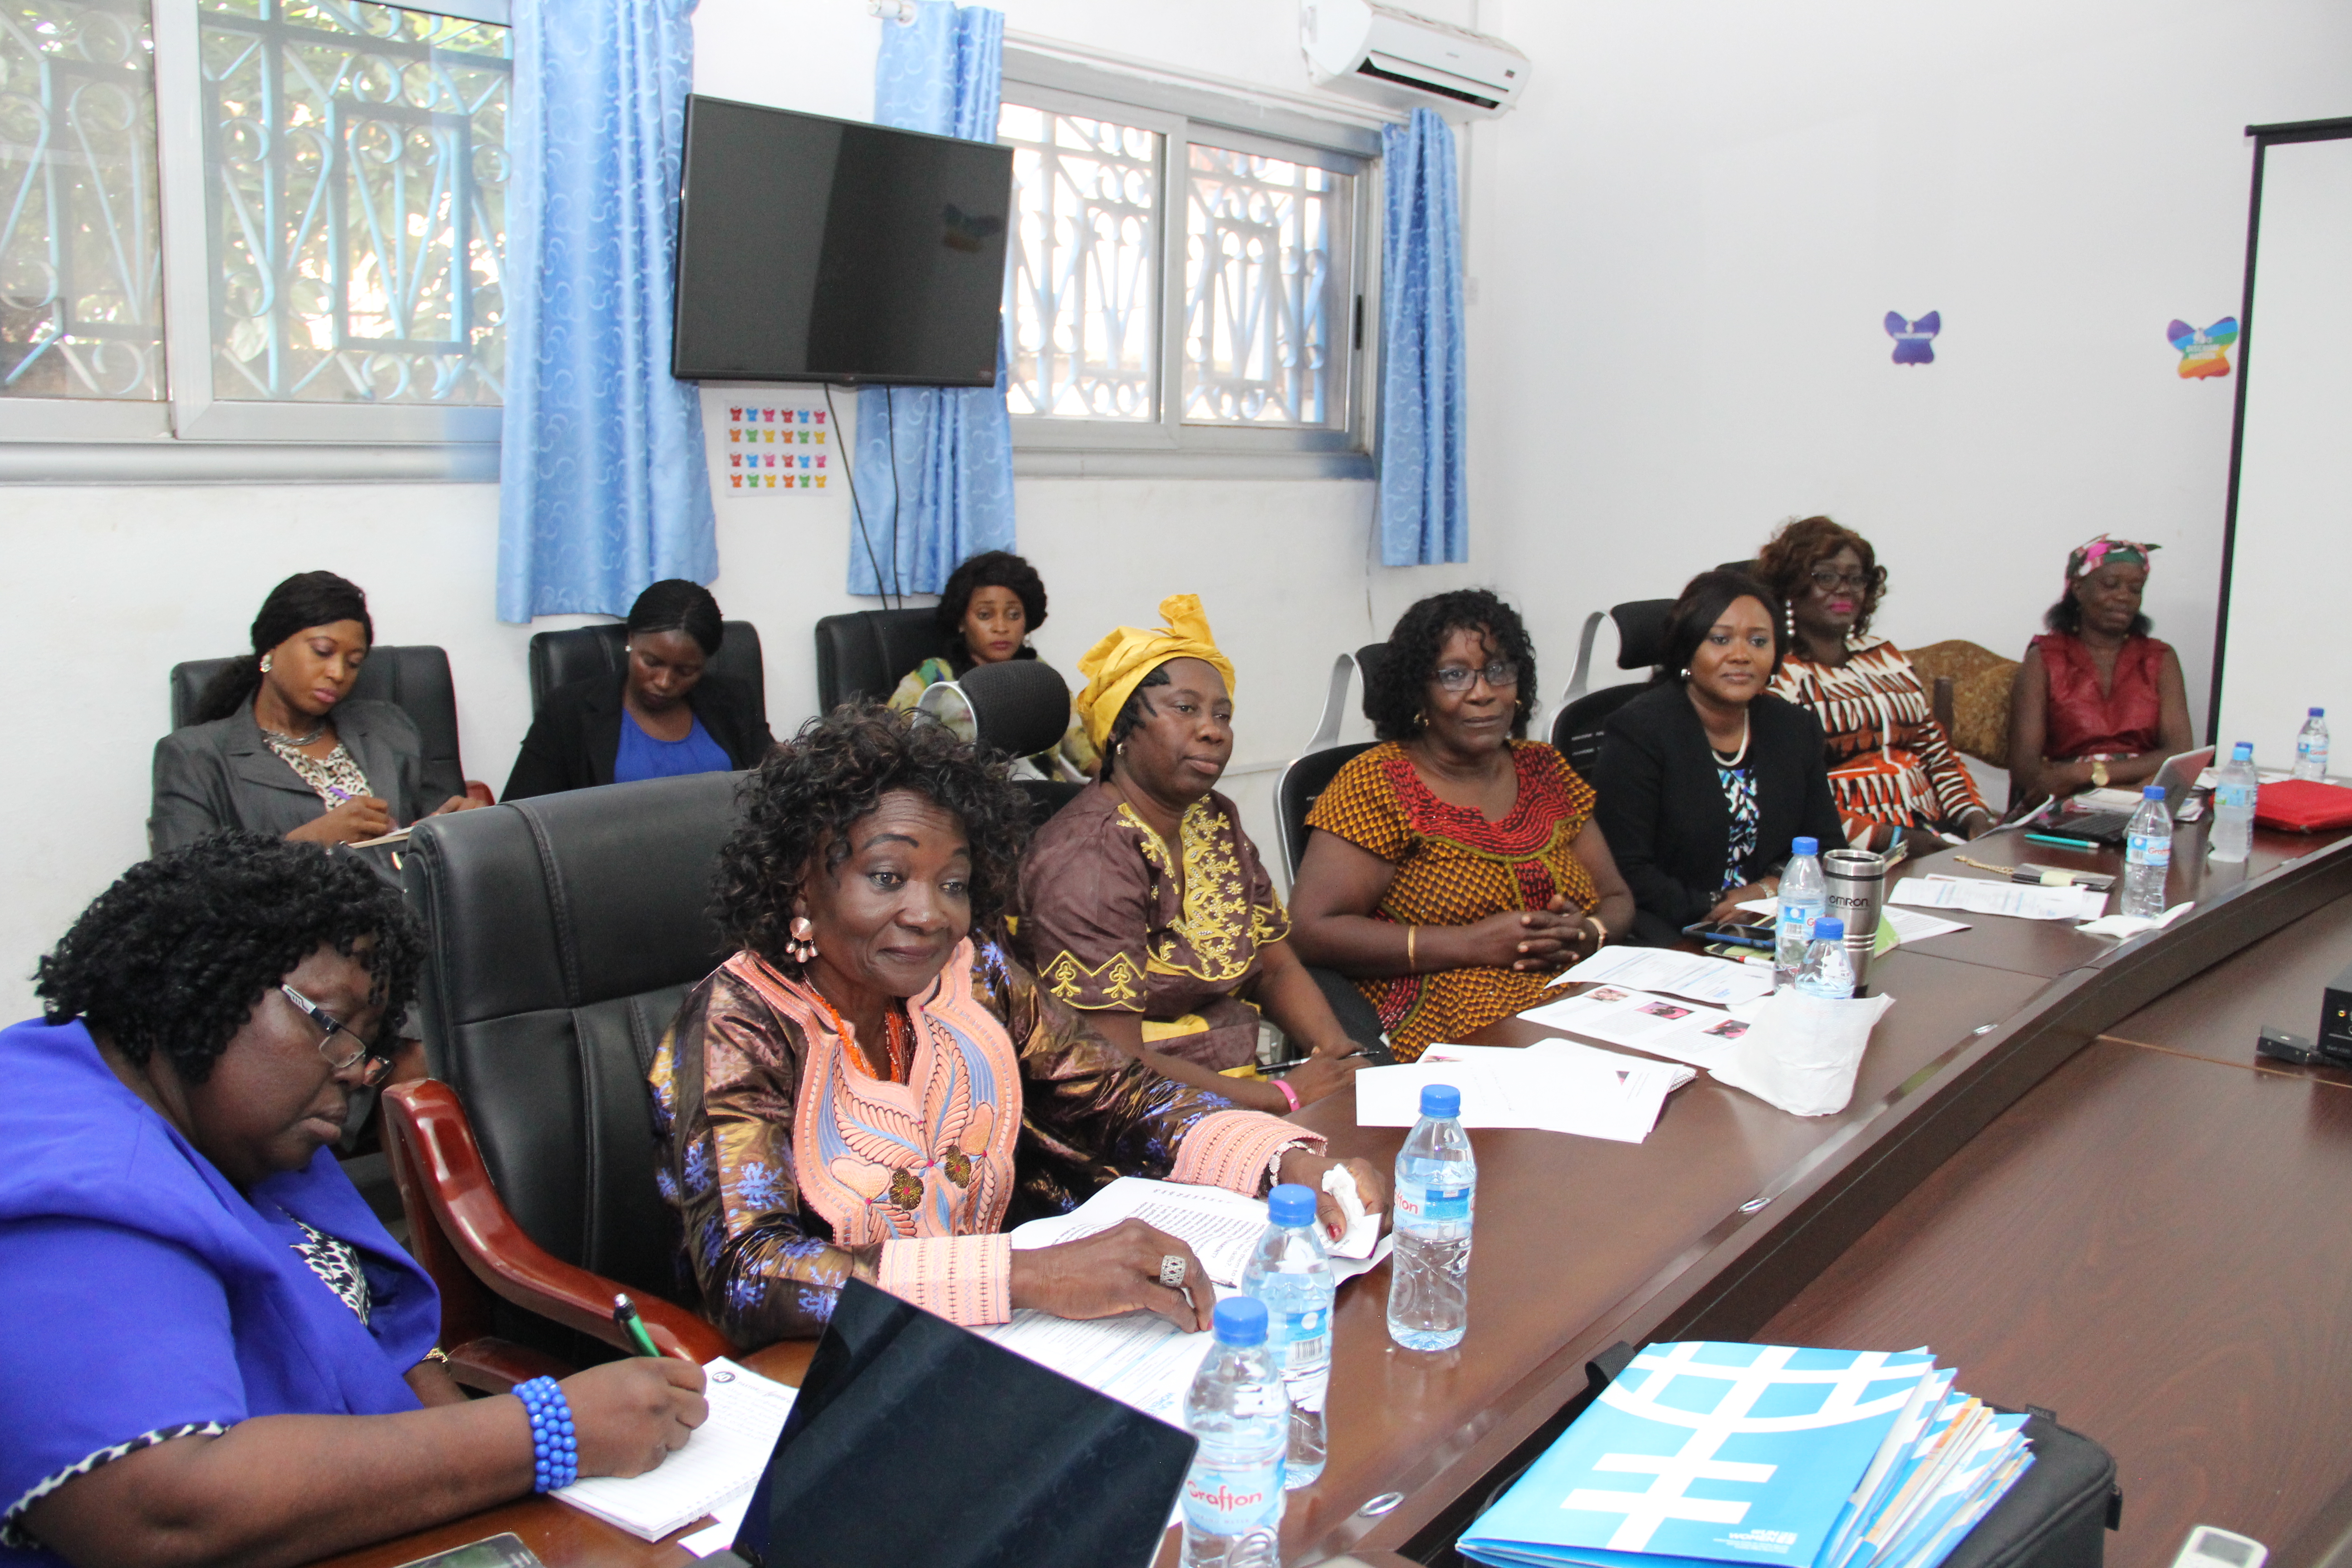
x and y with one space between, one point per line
276 748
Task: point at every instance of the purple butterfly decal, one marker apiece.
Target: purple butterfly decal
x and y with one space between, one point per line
1915 340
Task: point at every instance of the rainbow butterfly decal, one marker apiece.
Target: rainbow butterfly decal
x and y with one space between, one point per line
2203 354
1915 342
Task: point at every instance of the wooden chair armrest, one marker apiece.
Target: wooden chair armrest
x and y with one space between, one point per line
495 1365
438 1157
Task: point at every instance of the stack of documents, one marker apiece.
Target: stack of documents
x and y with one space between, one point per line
1557 1086
1661 1026
1716 981
1704 1452
1977 895
1139 1358
713 1474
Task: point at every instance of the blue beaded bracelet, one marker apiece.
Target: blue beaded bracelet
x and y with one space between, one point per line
555 1453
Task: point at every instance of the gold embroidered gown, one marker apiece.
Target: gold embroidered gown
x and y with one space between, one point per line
1106 927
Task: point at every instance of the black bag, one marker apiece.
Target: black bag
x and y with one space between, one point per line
2057 1514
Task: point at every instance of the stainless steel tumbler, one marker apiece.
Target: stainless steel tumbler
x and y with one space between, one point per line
1855 881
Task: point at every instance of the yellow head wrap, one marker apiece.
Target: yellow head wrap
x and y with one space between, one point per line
1115 666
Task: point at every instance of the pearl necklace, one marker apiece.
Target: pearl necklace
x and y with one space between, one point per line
1738 756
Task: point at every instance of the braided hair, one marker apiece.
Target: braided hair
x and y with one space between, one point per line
675 604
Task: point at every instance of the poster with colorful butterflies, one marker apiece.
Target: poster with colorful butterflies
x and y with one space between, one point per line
775 448
2203 354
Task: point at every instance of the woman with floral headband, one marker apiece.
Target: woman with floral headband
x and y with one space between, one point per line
2097 701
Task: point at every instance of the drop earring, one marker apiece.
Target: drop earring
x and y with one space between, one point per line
1789 614
803 945
265 664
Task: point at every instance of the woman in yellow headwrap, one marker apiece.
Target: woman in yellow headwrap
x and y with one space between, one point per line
1144 903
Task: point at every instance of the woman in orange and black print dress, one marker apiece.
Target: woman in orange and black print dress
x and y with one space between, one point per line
1454 869
1892 768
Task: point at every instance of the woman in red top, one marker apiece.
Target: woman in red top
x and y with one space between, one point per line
2097 700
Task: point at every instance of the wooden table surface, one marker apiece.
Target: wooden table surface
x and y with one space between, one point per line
1727 1211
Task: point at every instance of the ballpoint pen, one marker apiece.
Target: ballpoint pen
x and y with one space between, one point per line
625 1312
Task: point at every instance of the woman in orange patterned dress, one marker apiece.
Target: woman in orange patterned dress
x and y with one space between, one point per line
1454 869
872 1087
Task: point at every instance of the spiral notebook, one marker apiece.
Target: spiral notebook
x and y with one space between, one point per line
724 1457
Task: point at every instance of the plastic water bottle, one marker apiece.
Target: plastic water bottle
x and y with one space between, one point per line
2232 833
1233 1494
2148 854
1803 896
1436 1198
1827 971
1291 1273
2311 746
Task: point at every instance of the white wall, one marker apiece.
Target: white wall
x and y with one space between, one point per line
1686 236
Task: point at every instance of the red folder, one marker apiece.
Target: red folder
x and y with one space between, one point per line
2303 805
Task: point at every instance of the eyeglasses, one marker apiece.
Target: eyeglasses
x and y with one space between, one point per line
1500 673
1829 582
375 1066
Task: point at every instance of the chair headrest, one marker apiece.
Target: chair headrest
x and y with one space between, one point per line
580 653
393 674
566 900
1641 632
865 653
1020 707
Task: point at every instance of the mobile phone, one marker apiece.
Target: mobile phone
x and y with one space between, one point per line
1741 934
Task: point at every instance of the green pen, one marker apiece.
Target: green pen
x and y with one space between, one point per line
625 1312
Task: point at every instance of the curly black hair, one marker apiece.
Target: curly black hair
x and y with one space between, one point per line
803 801
1392 685
175 955
1703 600
1786 563
989 569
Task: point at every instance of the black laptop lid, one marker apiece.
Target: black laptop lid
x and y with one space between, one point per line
914 1441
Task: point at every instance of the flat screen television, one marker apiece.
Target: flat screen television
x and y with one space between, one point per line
817 249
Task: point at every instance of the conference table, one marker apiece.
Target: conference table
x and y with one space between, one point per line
1988 1085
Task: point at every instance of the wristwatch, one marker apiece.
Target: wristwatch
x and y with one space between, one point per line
2099 772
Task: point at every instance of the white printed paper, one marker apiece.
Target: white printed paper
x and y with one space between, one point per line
2017 899
1220 1227
1716 981
726 1455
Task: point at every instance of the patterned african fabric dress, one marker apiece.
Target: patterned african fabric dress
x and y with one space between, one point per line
1074 761
1454 868
1114 920
792 1167
1892 768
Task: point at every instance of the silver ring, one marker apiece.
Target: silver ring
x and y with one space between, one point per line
1172 1271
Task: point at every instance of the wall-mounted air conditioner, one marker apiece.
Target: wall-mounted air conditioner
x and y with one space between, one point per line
1404 61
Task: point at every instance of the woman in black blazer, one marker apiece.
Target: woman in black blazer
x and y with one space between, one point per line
1706 779
660 718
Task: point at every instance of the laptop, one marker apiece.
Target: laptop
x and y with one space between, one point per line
2177 778
914 1441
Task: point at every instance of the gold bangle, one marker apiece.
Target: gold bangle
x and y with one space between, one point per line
438 1353
1412 935
1600 928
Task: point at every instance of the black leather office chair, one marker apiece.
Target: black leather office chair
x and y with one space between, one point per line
558 659
562 933
1016 708
1301 779
1576 724
866 653
413 680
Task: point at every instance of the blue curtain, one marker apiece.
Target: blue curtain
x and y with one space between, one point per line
934 464
1424 488
603 487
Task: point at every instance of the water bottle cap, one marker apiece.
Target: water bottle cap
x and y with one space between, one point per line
1240 1321
1440 1099
1291 1204
2153 792
1807 847
2319 713
1829 928
2243 752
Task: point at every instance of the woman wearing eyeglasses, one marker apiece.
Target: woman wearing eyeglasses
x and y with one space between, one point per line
1454 869
1893 771
1706 779
210 1350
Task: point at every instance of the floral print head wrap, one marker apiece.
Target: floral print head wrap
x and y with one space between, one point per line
2104 552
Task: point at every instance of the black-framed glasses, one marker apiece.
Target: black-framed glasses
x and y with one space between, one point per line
1500 673
1829 582
372 1067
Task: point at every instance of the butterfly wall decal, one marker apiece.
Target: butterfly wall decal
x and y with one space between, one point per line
1915 342
2203 354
